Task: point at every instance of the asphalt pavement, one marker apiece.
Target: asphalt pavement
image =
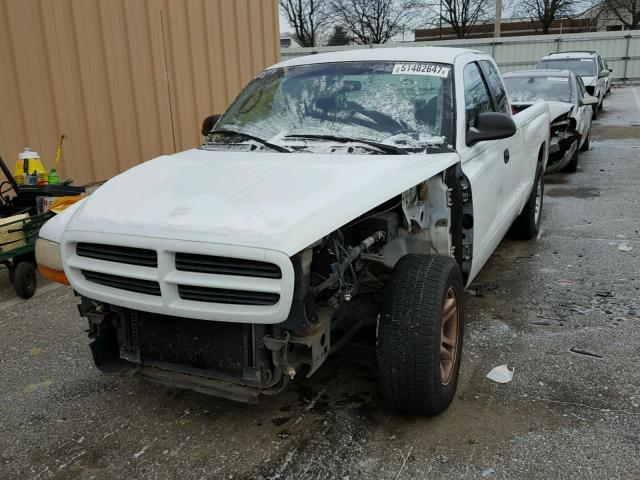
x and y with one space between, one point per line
564 311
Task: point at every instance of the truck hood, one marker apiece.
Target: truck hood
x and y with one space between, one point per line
589 81
277 201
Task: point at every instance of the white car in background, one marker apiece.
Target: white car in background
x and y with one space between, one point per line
588 65
570 111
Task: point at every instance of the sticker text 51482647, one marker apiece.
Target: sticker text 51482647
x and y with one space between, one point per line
430 69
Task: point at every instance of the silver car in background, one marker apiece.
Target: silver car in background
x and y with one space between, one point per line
588 65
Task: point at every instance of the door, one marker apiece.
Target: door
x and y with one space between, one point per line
584 112
512 155
491 166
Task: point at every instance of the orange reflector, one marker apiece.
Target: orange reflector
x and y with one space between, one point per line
54 275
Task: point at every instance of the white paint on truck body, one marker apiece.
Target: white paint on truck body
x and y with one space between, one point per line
269 206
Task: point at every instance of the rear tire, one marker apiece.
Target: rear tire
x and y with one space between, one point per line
24 279
527 225
420 334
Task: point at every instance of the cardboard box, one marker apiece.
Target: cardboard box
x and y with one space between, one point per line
11 234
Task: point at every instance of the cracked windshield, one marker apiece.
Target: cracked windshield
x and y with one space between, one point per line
535 88
395 107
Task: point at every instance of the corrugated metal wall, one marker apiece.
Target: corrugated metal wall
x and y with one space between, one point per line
125 80
620 49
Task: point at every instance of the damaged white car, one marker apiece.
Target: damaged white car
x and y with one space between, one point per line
339 192
570 111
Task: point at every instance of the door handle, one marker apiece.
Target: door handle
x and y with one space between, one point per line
506 156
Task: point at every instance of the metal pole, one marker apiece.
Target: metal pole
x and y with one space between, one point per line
498 21
440 20
626 59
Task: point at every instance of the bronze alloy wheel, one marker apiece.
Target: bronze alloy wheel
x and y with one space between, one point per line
449 336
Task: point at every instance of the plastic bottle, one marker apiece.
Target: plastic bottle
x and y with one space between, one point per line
53 177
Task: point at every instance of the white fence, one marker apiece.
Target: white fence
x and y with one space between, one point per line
621 50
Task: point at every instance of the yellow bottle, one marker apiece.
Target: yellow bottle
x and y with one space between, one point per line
28 162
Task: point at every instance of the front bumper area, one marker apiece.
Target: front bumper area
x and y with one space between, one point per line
237 361
562 148
217 358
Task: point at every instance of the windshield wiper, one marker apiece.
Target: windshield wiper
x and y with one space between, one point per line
248 136
337 138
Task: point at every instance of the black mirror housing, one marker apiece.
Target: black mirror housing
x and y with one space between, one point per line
208 123
490 126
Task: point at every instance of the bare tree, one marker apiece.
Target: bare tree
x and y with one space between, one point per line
627 11
308 18
546 11
463 16
373 21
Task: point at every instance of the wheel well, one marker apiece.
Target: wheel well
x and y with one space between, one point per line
461 218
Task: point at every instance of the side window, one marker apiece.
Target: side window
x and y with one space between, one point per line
600 64
495 85
476 95
581 90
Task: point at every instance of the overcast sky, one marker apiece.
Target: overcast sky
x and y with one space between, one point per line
284 25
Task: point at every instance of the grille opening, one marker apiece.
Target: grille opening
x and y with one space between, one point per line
113 253
227 296
221 347
147 287
191 262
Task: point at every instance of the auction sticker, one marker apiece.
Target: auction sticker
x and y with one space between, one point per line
557 79
420 69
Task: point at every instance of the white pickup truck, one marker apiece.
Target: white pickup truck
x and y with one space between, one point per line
379 178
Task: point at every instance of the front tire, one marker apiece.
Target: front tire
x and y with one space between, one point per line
24 279
420 334
527 225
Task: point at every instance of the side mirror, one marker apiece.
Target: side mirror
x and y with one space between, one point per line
209 123
588 100
490 126
603 74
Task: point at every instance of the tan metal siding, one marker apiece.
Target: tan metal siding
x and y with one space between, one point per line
125 80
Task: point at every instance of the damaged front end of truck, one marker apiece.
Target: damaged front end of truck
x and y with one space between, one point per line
327 293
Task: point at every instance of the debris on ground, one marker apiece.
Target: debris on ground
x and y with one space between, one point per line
481 289
605 294
625 247
544 323
573 308
501 374
584 352
487 472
